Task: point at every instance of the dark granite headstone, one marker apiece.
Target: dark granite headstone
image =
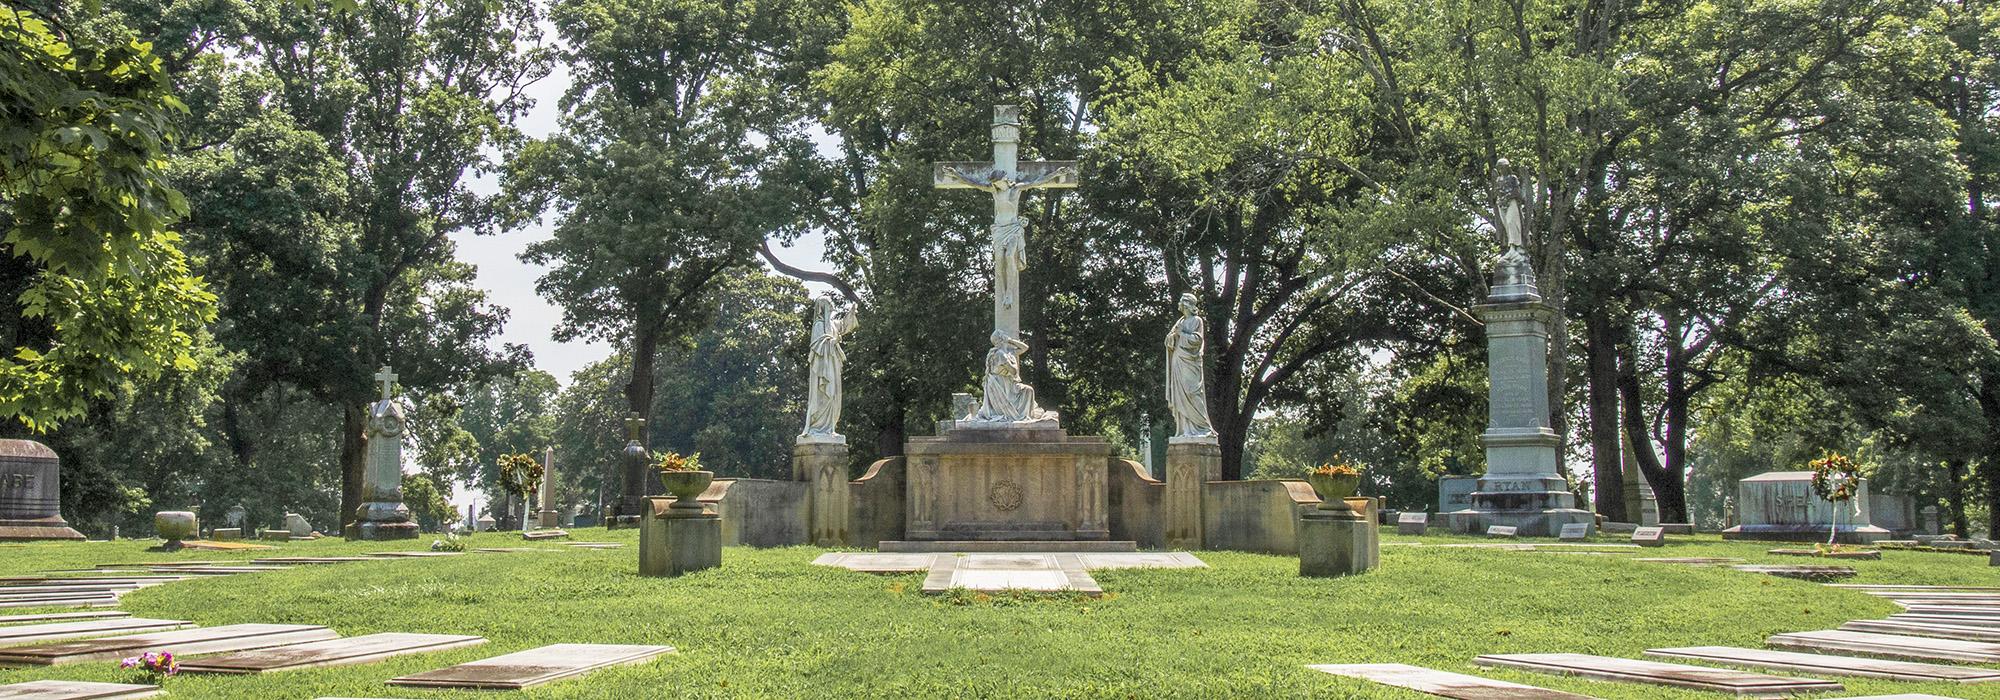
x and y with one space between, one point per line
31 493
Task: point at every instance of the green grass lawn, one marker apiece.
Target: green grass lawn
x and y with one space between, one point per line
768 624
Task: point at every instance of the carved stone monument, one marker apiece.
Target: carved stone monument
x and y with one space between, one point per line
1006 470
631 505
1194 458
819 455
549 515
382 515
1523 487
1783 506
31 493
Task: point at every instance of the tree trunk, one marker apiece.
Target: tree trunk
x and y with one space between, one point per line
639 399
353 459
1675 406
1668 488
1231 432
1955 498
1991 471
1606 455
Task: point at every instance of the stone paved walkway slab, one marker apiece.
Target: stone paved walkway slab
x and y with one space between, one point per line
1047 573
62 616
1890 645
1830 665
76 690
1444 683
524 669
1741 683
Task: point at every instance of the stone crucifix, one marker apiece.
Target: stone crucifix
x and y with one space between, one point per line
1007 179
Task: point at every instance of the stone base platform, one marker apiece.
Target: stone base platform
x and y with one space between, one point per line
378 532
28 530
990 546
1010 571
1848 534
1008 484
1532 523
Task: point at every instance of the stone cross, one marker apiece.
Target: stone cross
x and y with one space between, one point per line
388 380
635 428
1007 179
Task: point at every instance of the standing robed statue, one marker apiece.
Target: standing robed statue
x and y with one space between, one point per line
1187 393
823 395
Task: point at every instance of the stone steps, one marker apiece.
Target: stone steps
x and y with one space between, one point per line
1005 546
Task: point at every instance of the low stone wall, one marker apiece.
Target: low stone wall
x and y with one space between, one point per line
759 512
1136 505
1255 516
877 502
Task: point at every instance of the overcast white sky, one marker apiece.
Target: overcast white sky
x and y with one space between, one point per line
511 283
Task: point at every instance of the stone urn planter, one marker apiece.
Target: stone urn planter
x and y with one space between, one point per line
686 486
1334 489
174 526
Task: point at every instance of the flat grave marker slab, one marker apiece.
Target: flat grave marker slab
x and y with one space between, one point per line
1952 620
526 669
1831 665
1925 629
1953 610
1910 587
85 602
1650 536
201 640
1574 532
1444 683
61 616
1890 645
544 535
25 634
1502 531
1693 561
1805 573
76 690
220 570
1412 523
1902 696
159 564
877 563
312 560
418 554
1659 673
329 652
594 545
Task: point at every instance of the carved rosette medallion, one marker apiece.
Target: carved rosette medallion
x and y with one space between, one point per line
1004 495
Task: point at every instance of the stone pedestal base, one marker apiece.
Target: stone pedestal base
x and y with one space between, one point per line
674 542
1847 534
382 531
1337 543
1190 466
1008 484
823 466
548 518
24 530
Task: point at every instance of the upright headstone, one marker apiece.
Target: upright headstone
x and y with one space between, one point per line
1650 536
486 523
236 516
382 515
1412 523
1502 531
1455 492
1931 523
298 526
31 493
548 516
1574 532
1523 486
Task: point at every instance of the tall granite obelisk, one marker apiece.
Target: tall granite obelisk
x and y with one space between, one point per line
1523 486
382 515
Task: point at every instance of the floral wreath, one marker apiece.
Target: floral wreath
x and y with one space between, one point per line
1835 477
520 473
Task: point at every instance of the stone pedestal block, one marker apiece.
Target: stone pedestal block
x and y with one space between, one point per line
1191 464
1993 558
823 466
30 493
1337 543
1008 484
548 518
674 542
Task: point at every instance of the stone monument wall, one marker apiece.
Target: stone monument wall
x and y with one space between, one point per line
759 512
1137 505
1255 516
877 500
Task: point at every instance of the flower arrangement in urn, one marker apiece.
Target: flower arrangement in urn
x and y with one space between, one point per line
1335 482
683 477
